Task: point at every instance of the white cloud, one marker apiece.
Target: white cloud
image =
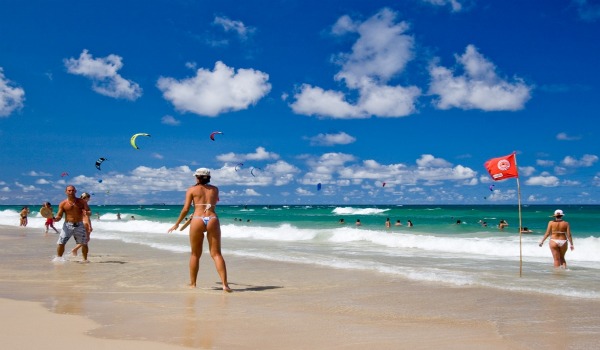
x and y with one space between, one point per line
564 137
316 101
428 160
380 53
238 27
169 120
479 87
251 192
340 138
543 180
210 93
333 168
259 154
37 173
526 170
103 73
11 97
546 163
454 4
586 161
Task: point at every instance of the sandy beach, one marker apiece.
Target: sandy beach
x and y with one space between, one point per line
135 297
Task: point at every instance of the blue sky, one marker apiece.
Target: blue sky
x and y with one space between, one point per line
416 94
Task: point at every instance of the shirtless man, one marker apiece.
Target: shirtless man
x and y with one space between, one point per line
560 231
74 209
204 219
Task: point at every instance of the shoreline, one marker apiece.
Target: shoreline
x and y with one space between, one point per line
137 293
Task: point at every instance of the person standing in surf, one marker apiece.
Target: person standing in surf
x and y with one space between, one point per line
87 222
204 219
73 208
560 231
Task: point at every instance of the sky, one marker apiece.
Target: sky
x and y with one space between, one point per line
380 102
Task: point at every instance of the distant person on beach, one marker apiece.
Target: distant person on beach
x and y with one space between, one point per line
204 219
388 224
560 232
398 223
73 208
132 217
50 219
342 221
358 222
502 224
525 230
118 216
23 214
87 222
409 223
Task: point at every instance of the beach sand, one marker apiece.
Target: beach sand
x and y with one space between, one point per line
135 297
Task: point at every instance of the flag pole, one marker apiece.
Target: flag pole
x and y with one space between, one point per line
520 225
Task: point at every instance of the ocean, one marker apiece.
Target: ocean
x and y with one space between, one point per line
435 250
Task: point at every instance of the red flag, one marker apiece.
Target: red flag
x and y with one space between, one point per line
502 168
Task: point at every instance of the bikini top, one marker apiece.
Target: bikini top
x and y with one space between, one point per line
208 206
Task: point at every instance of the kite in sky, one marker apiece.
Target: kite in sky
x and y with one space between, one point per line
132 141
99 162
212 136
252 171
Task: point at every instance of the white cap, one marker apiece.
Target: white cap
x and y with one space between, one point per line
558 212
202 172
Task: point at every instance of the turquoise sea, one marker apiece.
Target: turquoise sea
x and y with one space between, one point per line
436 249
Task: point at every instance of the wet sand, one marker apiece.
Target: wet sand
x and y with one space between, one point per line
136 297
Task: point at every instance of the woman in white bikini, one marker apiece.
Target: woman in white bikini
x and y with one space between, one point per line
205 198
560 232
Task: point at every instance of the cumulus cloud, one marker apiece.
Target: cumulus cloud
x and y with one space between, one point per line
428 160
259 154
526 170
340 167
564 137
103 73
169 120
478 88
237 27
454 4
543 180
11 97
586 161
545 163
210 93
340 138
380 53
